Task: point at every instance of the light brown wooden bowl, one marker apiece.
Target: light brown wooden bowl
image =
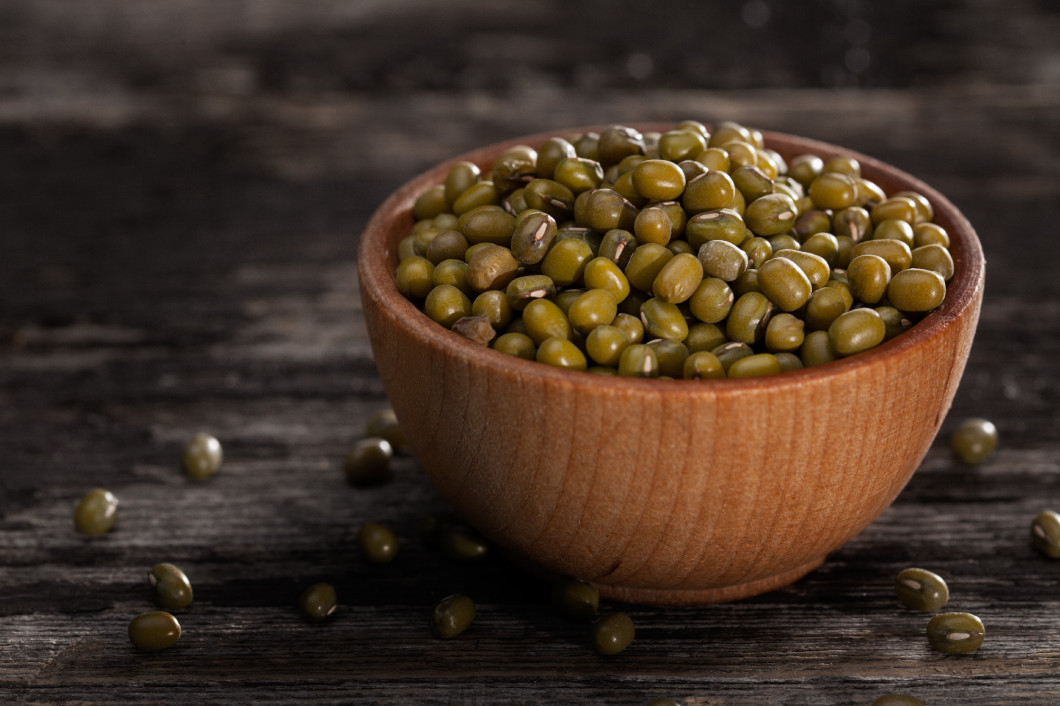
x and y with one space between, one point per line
668 492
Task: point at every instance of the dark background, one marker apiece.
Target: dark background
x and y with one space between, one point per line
181 188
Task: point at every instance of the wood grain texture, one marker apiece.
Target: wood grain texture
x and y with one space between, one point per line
181 189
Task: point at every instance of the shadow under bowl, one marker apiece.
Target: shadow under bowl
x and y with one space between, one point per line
668 492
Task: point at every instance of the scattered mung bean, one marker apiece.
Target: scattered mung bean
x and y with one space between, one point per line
452 616
170 586
153 631
96 512
955 633
974 440
202 456
613 633
921 589
318 602
1045 533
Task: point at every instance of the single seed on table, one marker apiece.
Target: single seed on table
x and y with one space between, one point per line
368 462
170 586
460 542
384 425
452 616
921 589
897 700
575 599
613 633
955 633
1045 533
318 602
96 512
202 456
974 440
154 631
377 543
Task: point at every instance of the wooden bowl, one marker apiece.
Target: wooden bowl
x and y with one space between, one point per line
668 492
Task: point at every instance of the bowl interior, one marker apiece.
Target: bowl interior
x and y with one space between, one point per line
378 258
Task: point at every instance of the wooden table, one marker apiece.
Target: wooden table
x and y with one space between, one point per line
181 189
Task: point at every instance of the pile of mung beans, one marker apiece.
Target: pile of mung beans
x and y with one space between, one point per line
692 253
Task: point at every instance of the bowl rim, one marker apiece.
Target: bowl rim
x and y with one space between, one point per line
376 261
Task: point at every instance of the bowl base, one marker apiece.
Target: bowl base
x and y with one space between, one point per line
695 596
